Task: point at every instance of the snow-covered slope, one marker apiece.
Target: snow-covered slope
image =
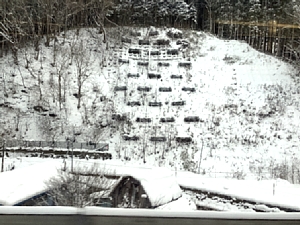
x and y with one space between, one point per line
245 103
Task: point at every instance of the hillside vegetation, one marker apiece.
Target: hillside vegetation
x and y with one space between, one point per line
166 97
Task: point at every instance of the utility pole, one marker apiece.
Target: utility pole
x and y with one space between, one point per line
3 151
144 146
68 139
199 171
73 140
68 142
72 156
155 127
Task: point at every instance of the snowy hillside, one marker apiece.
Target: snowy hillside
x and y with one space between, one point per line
159 96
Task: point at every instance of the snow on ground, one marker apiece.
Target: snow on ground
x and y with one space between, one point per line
233 85
247 103
284 194
184 203
273 192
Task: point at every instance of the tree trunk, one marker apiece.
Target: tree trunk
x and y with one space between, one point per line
40 89
59 91
47 31
79 96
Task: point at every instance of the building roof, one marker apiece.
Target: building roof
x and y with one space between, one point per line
24 183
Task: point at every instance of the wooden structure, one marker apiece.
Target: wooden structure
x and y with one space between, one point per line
129 193
149 192
269 36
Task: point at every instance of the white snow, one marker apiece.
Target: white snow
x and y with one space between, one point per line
223 72
184 203
40 210
21 184
190 214
161 187
157 182
98 211
273 192
160 184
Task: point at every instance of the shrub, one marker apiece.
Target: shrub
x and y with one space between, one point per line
231 59
82 187
174 33
187 163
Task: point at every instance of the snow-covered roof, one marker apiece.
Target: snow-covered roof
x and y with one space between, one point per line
277 193
21 184
159 184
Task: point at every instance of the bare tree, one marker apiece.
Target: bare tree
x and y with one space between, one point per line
49 127
209 6
61 67
84 187
82 63
11 30
99 11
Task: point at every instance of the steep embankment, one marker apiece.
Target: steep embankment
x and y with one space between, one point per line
243 104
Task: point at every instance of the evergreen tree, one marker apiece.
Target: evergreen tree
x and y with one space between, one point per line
159 13
224 14
255 11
